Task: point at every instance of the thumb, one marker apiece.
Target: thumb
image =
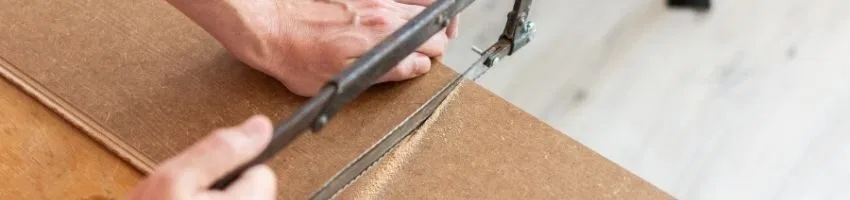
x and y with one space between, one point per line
258 124
452 30
258 182
412 66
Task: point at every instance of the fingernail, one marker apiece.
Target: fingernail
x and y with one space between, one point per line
256 126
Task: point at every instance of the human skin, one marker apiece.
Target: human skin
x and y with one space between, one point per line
189 174
304 43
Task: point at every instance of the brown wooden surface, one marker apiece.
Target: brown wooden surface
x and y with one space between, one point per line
478 146
151 84
43 157
147 82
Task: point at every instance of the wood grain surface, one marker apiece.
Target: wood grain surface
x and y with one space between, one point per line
44 157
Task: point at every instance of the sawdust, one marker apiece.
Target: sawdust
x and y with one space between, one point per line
380 176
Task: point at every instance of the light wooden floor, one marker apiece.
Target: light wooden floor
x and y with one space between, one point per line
751 101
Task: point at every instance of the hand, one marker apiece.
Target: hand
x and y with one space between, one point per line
304 43
187 175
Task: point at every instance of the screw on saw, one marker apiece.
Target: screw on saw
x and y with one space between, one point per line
442 20
529 26
491 61
319 123
478 50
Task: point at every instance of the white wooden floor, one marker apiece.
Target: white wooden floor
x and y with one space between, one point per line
749 101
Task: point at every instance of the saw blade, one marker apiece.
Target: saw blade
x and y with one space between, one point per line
410 124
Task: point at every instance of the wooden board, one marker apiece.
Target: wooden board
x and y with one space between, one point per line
149 85
478 146
43 157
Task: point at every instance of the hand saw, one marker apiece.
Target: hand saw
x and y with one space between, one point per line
361 74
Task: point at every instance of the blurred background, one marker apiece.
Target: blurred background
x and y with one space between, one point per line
748 101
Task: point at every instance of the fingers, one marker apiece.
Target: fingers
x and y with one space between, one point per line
381 19
389 8
412 66
305 88
417 2
409 11
383 26
436 45
258 182
213 157
453 29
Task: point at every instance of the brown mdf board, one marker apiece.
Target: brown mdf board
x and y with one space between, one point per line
146 82
44 157
478 146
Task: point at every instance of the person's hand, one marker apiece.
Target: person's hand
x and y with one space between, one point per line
304 43
187 175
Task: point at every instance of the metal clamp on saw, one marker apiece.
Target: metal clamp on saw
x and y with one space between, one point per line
518 32
358 77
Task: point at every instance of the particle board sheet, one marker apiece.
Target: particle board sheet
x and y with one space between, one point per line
39 149
147 82
477 146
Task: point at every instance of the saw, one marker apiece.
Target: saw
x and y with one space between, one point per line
361 74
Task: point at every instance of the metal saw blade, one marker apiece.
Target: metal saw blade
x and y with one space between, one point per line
410 124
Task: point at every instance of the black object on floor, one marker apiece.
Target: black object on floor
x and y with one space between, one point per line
699 5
